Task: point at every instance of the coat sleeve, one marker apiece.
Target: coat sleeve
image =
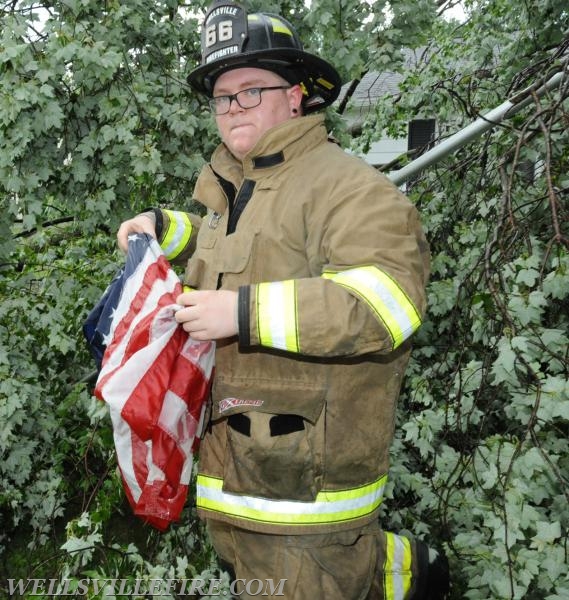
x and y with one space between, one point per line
368 294
177 232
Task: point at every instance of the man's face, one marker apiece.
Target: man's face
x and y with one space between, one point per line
241 128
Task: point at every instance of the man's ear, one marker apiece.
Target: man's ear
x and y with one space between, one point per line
295 100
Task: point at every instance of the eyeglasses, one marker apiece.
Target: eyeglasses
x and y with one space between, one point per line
248 98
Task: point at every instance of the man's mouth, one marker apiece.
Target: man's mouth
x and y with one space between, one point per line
239 126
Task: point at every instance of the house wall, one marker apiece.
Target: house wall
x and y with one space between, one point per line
384 151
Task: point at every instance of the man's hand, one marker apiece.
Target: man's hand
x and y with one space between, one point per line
208 315
138 224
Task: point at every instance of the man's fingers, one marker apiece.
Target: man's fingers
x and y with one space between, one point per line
208 314
183 299
201 335
138 224
185 315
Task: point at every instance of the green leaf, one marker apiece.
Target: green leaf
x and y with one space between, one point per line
546 534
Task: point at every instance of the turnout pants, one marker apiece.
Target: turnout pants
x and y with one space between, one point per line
362 564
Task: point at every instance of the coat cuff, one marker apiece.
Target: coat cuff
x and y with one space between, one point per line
243 316
155 215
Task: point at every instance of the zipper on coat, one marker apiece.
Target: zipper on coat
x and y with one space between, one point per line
243 197
236 205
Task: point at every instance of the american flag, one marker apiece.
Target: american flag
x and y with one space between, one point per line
154 378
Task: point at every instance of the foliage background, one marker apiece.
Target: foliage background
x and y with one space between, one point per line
96 124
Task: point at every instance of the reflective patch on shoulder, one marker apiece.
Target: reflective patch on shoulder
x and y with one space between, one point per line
229 403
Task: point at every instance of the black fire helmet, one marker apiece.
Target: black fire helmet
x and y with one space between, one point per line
231 39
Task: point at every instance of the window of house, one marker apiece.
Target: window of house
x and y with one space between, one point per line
421 135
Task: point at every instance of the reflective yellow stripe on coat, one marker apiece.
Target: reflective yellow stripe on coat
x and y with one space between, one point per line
329 507
178 234
397 568
384 296
277 318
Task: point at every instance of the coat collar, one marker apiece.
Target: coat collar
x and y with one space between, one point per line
279 144
277 147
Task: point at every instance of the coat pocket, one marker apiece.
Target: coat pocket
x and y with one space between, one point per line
274 452
219 258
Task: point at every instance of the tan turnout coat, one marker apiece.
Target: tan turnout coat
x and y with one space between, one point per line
308 211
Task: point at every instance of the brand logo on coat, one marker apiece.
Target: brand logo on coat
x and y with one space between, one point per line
229 403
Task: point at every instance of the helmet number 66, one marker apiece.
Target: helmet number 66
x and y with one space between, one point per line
218 32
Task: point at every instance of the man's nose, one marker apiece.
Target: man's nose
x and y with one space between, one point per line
234 106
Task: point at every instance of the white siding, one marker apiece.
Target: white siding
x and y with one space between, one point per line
384 151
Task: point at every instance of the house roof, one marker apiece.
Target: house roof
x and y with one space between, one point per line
375 84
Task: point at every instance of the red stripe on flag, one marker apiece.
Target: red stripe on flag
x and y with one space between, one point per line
142 409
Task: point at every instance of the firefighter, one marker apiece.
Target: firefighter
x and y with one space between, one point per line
309 271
